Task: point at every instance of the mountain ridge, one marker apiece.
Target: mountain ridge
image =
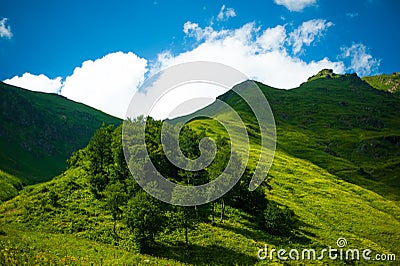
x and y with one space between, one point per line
348 122
336 166
39 131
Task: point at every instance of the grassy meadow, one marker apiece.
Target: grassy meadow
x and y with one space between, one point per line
336 167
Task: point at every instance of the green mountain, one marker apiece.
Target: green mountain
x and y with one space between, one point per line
385 82
39 132
336 168
337 122
344 126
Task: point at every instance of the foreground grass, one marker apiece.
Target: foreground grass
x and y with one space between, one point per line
331 208
79 233
20 247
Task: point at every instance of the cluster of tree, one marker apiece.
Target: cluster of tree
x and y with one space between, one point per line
111 181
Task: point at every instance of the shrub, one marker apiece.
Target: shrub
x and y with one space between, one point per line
278 220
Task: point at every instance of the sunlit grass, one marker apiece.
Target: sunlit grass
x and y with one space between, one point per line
316 173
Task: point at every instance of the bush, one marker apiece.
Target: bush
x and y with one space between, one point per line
278 220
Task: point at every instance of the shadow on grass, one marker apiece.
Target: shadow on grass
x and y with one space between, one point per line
297 236
202 255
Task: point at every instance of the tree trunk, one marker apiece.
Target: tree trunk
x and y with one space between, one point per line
186 237
212 213
222 210
115 229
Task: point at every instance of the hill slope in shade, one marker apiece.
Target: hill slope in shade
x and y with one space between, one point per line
338 122
336 166
9 186
345 126
39 131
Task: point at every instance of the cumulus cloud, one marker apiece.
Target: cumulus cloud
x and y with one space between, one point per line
226 13
361 61
36 83
107 83
269 55
307 32
5 31
295 5
261 55
273 38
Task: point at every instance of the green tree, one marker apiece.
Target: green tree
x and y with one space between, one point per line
99 150
184 217
145 218
54 197
253 202
115 199
99 159
222 157
278 220
119 170
77 159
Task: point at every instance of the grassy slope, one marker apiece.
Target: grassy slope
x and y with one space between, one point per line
385 82
327 207
9 186
346 127
306 176
39 131
342 125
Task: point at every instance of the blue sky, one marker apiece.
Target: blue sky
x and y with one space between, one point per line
94 51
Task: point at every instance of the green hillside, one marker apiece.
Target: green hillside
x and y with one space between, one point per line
385 82
39 132
335 175
9 186
341 124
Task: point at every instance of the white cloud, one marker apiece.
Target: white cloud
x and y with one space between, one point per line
360 60
295 5
107 83
352 15
194 30
190 27
226 13
36 83
273 38
261 55
307 32
185 99
5 31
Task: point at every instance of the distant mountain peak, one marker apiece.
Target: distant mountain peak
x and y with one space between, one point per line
324 73
329 74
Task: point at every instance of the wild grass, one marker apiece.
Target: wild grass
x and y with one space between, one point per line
335 167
